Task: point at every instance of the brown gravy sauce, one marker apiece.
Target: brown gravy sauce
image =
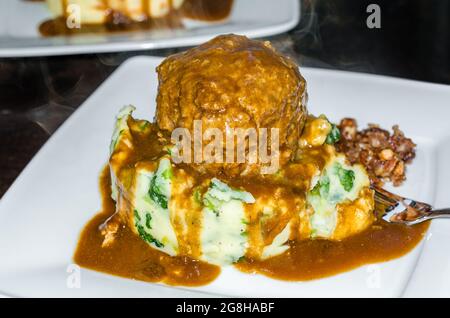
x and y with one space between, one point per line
313 259
131 257
205 10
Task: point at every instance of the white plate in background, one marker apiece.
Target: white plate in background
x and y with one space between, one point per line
43 212
19 36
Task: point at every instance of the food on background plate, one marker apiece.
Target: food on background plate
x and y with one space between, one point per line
99 16
99 11
179 222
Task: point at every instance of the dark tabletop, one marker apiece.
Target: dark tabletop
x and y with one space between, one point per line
38 94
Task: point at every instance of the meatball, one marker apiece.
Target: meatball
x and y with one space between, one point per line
233 82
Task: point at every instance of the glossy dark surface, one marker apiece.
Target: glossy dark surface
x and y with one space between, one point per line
38 94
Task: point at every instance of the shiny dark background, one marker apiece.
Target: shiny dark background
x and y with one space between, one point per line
38 94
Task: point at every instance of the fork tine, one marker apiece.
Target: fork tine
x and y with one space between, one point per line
381 200
385 203
381 210
386 196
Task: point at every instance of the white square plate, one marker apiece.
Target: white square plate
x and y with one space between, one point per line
43 212
19 36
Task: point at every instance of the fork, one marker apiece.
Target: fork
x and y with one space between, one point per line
397 209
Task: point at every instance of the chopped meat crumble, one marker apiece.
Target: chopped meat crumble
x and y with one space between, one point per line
383 154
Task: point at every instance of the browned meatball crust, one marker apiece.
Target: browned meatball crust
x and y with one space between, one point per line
233 82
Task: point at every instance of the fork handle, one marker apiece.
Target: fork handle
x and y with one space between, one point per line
440 213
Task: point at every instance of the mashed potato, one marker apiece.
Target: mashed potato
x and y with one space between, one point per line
217 220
